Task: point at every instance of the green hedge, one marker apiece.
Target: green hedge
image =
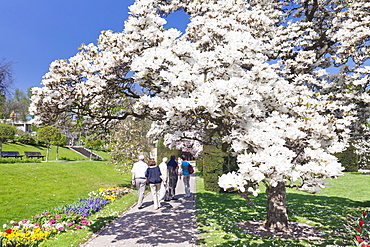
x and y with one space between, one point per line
213 162
163 151
348 159
199 165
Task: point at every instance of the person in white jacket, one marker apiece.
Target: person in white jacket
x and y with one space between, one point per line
163 168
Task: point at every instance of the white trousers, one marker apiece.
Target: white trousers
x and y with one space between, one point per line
155 193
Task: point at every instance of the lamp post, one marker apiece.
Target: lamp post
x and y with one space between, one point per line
13 117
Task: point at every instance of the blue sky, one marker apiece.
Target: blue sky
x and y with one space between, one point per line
37 32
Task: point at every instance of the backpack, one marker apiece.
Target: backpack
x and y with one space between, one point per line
190 168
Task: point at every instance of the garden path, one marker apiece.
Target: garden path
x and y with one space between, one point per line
174 224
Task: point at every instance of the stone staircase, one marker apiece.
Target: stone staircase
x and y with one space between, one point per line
85 152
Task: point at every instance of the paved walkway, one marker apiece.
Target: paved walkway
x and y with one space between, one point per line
174 224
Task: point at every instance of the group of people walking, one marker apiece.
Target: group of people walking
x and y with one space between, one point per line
162 179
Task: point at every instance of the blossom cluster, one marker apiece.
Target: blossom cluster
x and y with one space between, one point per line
362 231
363 151
73 216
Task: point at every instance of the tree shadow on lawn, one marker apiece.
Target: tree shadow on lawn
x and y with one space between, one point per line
221 212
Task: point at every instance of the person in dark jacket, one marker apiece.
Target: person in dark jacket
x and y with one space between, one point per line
154 178
172 168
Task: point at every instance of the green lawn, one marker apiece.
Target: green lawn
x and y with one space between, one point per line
331 210
28 189
64 153
31 188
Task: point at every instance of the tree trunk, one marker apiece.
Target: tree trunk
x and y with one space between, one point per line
47 153
277 212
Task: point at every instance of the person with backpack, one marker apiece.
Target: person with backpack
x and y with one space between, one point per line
185 165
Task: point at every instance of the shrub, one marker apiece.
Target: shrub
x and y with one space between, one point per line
25 138
163 151
199 165
348 159
12 160
213 161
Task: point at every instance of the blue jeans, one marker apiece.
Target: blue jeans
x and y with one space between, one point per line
186 179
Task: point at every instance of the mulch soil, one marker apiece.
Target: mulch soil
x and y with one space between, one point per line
295 230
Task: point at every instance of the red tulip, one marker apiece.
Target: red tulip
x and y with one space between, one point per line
361 222
358 229
9 231
359 239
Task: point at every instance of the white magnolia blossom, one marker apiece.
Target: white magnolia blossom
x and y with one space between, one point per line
362 149
258 76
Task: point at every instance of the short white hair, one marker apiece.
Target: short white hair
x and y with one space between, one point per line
164 159
141 157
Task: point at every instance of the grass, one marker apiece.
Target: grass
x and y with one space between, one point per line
331 211
31 188
63 152
28 189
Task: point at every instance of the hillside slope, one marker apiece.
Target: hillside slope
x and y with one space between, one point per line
64 152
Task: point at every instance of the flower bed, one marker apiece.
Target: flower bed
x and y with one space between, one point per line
30 233
362 231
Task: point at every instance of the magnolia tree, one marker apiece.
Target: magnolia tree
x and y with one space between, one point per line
363 151
282 84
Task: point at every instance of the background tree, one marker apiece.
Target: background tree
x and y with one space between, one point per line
2 101
165 151
59 141
271 80
49 134
19 103
5 82
94 143
6 78
129 140
6 132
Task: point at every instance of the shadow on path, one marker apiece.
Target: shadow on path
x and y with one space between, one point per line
173 224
